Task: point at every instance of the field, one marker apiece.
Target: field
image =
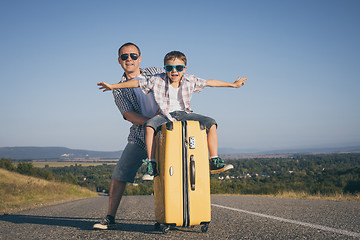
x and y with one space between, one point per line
64 163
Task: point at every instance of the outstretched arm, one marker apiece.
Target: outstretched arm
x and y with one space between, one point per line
128 84
217 83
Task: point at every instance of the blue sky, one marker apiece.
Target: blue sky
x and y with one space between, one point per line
301 59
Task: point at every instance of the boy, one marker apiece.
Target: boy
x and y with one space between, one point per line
172 92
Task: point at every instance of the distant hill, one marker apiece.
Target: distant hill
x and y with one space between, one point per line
29 153
22 153
315 150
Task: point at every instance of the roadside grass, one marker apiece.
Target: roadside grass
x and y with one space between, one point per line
304 195
19 192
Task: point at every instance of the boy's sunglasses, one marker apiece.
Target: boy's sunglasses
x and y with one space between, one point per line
179 68
125 56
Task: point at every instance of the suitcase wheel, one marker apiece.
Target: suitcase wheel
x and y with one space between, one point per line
166 229
204 227
157 226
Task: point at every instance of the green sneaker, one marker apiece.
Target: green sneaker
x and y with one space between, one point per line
217 165
150 172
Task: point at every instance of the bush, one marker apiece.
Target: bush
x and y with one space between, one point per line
7 164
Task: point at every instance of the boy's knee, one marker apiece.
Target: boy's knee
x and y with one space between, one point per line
147 124
149 129
211 124
213 127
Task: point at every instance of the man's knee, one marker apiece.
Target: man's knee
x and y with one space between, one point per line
116 186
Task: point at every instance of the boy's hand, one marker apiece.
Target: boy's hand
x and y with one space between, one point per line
240 82
105 86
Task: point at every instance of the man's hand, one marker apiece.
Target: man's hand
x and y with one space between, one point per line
105 86
239 82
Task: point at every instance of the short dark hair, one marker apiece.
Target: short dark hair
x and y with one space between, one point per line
129 44
175 54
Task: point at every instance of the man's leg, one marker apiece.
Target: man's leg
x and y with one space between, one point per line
116 191
124 171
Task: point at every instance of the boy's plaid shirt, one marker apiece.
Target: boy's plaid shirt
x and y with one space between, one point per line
126 100
159 85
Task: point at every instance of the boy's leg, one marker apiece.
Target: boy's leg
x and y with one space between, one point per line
212 139
150 147
217 165
151 127
150 142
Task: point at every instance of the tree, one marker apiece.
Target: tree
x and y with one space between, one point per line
26 168
7 164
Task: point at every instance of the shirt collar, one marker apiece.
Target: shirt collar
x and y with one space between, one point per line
123 78
184 79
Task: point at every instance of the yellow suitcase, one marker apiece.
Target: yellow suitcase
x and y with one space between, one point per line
182 188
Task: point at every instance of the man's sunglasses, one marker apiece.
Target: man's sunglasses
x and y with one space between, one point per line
179 68
125 56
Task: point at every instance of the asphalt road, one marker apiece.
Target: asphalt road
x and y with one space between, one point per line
233 217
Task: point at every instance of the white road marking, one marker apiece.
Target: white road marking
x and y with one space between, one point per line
329 229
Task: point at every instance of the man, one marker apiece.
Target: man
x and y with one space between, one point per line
137 108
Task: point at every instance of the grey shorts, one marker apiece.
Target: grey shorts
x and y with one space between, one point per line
157 121
129 163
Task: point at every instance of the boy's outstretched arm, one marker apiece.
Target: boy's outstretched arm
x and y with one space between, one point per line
217 83
128 84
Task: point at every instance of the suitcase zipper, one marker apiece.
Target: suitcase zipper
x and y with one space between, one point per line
186 216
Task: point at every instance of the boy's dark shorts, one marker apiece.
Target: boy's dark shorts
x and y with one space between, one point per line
157 121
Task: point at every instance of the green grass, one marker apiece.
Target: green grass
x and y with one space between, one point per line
19 192
304 195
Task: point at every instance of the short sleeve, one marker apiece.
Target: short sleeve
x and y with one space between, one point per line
199 84
147 84
123 103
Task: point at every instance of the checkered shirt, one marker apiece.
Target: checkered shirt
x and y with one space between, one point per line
126 100
159 85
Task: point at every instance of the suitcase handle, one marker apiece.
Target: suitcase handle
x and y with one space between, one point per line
192 172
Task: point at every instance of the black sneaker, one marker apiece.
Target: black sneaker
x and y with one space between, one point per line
151 171
217 165
107 223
